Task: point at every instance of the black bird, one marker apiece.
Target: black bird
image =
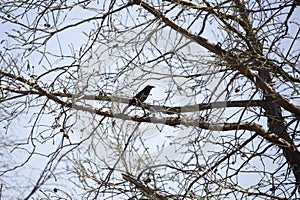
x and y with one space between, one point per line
140 97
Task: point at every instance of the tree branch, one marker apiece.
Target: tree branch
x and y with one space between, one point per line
230 59
156 108
148 191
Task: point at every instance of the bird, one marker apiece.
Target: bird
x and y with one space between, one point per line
140 97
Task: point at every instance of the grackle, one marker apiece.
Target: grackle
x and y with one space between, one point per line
140 97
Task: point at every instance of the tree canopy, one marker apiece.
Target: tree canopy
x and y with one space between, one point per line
221 123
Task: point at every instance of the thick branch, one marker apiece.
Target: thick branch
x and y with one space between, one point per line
230 59
163 109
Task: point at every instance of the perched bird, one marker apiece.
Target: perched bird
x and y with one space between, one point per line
140 97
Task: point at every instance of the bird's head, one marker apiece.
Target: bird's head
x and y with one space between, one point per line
150 86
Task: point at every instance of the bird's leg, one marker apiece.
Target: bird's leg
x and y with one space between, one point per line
144 110
139 103
147 112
